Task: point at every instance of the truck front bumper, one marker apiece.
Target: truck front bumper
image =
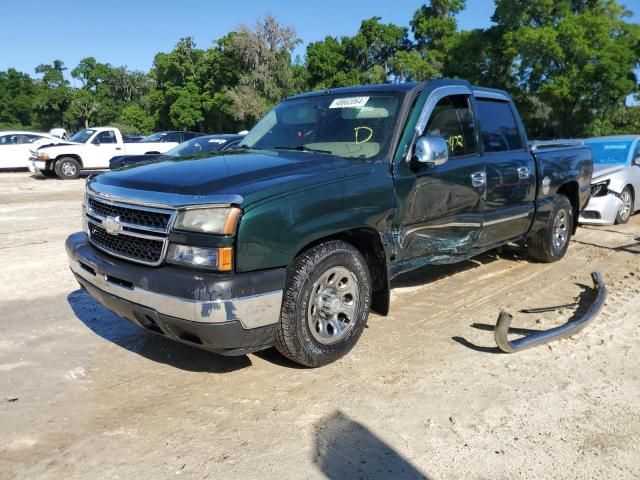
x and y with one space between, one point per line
232 314
601 210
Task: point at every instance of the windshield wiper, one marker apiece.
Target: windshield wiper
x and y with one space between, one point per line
302 148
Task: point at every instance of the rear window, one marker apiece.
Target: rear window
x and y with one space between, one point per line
500 131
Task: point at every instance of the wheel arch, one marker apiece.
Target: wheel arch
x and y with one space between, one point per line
369 243
571 190
73 155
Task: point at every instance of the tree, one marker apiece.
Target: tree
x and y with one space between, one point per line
53 97
136 119
370 56
17 98
83 107
267 77
572 61
434 28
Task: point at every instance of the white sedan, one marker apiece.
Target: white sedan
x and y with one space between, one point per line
15 146
615 187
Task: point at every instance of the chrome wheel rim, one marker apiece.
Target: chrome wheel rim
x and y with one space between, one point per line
68 169
560 230
333 304
625 208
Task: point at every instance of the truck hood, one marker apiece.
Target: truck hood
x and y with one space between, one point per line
47 142
242 177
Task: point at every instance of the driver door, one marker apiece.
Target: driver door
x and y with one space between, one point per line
442 214
105 147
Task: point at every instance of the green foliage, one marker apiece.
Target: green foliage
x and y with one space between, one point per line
568 63
136 120
572 61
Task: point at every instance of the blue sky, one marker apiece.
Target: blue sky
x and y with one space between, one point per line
131 32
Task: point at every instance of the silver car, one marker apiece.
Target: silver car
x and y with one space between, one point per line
615 187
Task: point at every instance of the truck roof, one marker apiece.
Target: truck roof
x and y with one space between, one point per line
400 87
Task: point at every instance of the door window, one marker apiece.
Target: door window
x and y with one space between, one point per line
30 138
108 136
9 140
452 119
500 131
173 137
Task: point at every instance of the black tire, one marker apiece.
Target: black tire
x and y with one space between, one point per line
67 168
295 339
624 215
546 245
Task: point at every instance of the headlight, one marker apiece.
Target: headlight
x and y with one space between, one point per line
221 221
600 189
43 156
220 259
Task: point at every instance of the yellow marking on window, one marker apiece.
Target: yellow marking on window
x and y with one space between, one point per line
357 130
455 141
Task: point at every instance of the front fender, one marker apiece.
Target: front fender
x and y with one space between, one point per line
617 181
272 233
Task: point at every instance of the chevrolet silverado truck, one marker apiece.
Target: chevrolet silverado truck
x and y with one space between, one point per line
291 239
91 149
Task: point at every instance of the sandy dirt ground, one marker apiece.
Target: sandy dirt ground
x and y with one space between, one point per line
425 394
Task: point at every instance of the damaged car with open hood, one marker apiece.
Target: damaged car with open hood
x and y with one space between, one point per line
293 238
615 187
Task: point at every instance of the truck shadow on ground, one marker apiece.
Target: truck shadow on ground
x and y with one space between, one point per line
153 347
345 448
584 300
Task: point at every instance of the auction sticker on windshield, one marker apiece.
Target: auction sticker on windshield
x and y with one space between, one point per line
349 102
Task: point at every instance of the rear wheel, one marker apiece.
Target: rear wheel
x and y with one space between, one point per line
551 243
325 305
626 209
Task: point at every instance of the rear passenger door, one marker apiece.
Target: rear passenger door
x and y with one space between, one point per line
510 170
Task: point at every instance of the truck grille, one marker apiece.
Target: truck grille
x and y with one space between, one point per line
135 248
132 232
133 216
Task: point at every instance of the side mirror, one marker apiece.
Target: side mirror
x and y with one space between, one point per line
431 151
95 141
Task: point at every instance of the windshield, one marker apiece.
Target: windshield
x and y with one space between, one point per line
196 145
154 137
345 125
83 135
610 152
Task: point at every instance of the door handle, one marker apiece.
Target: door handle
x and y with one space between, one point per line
478 179
523 173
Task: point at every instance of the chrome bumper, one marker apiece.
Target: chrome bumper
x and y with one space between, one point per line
251 311
606 206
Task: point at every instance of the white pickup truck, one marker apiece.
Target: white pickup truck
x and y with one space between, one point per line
89 149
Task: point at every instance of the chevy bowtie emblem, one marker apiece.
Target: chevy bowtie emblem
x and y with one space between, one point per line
112 225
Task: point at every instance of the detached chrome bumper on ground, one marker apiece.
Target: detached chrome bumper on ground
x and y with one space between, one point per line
568 329
225 313
601 210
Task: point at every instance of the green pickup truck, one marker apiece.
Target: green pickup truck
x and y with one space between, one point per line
294 237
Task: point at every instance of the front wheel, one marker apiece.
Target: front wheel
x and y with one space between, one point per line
67 168
551 243
626 209
325 304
